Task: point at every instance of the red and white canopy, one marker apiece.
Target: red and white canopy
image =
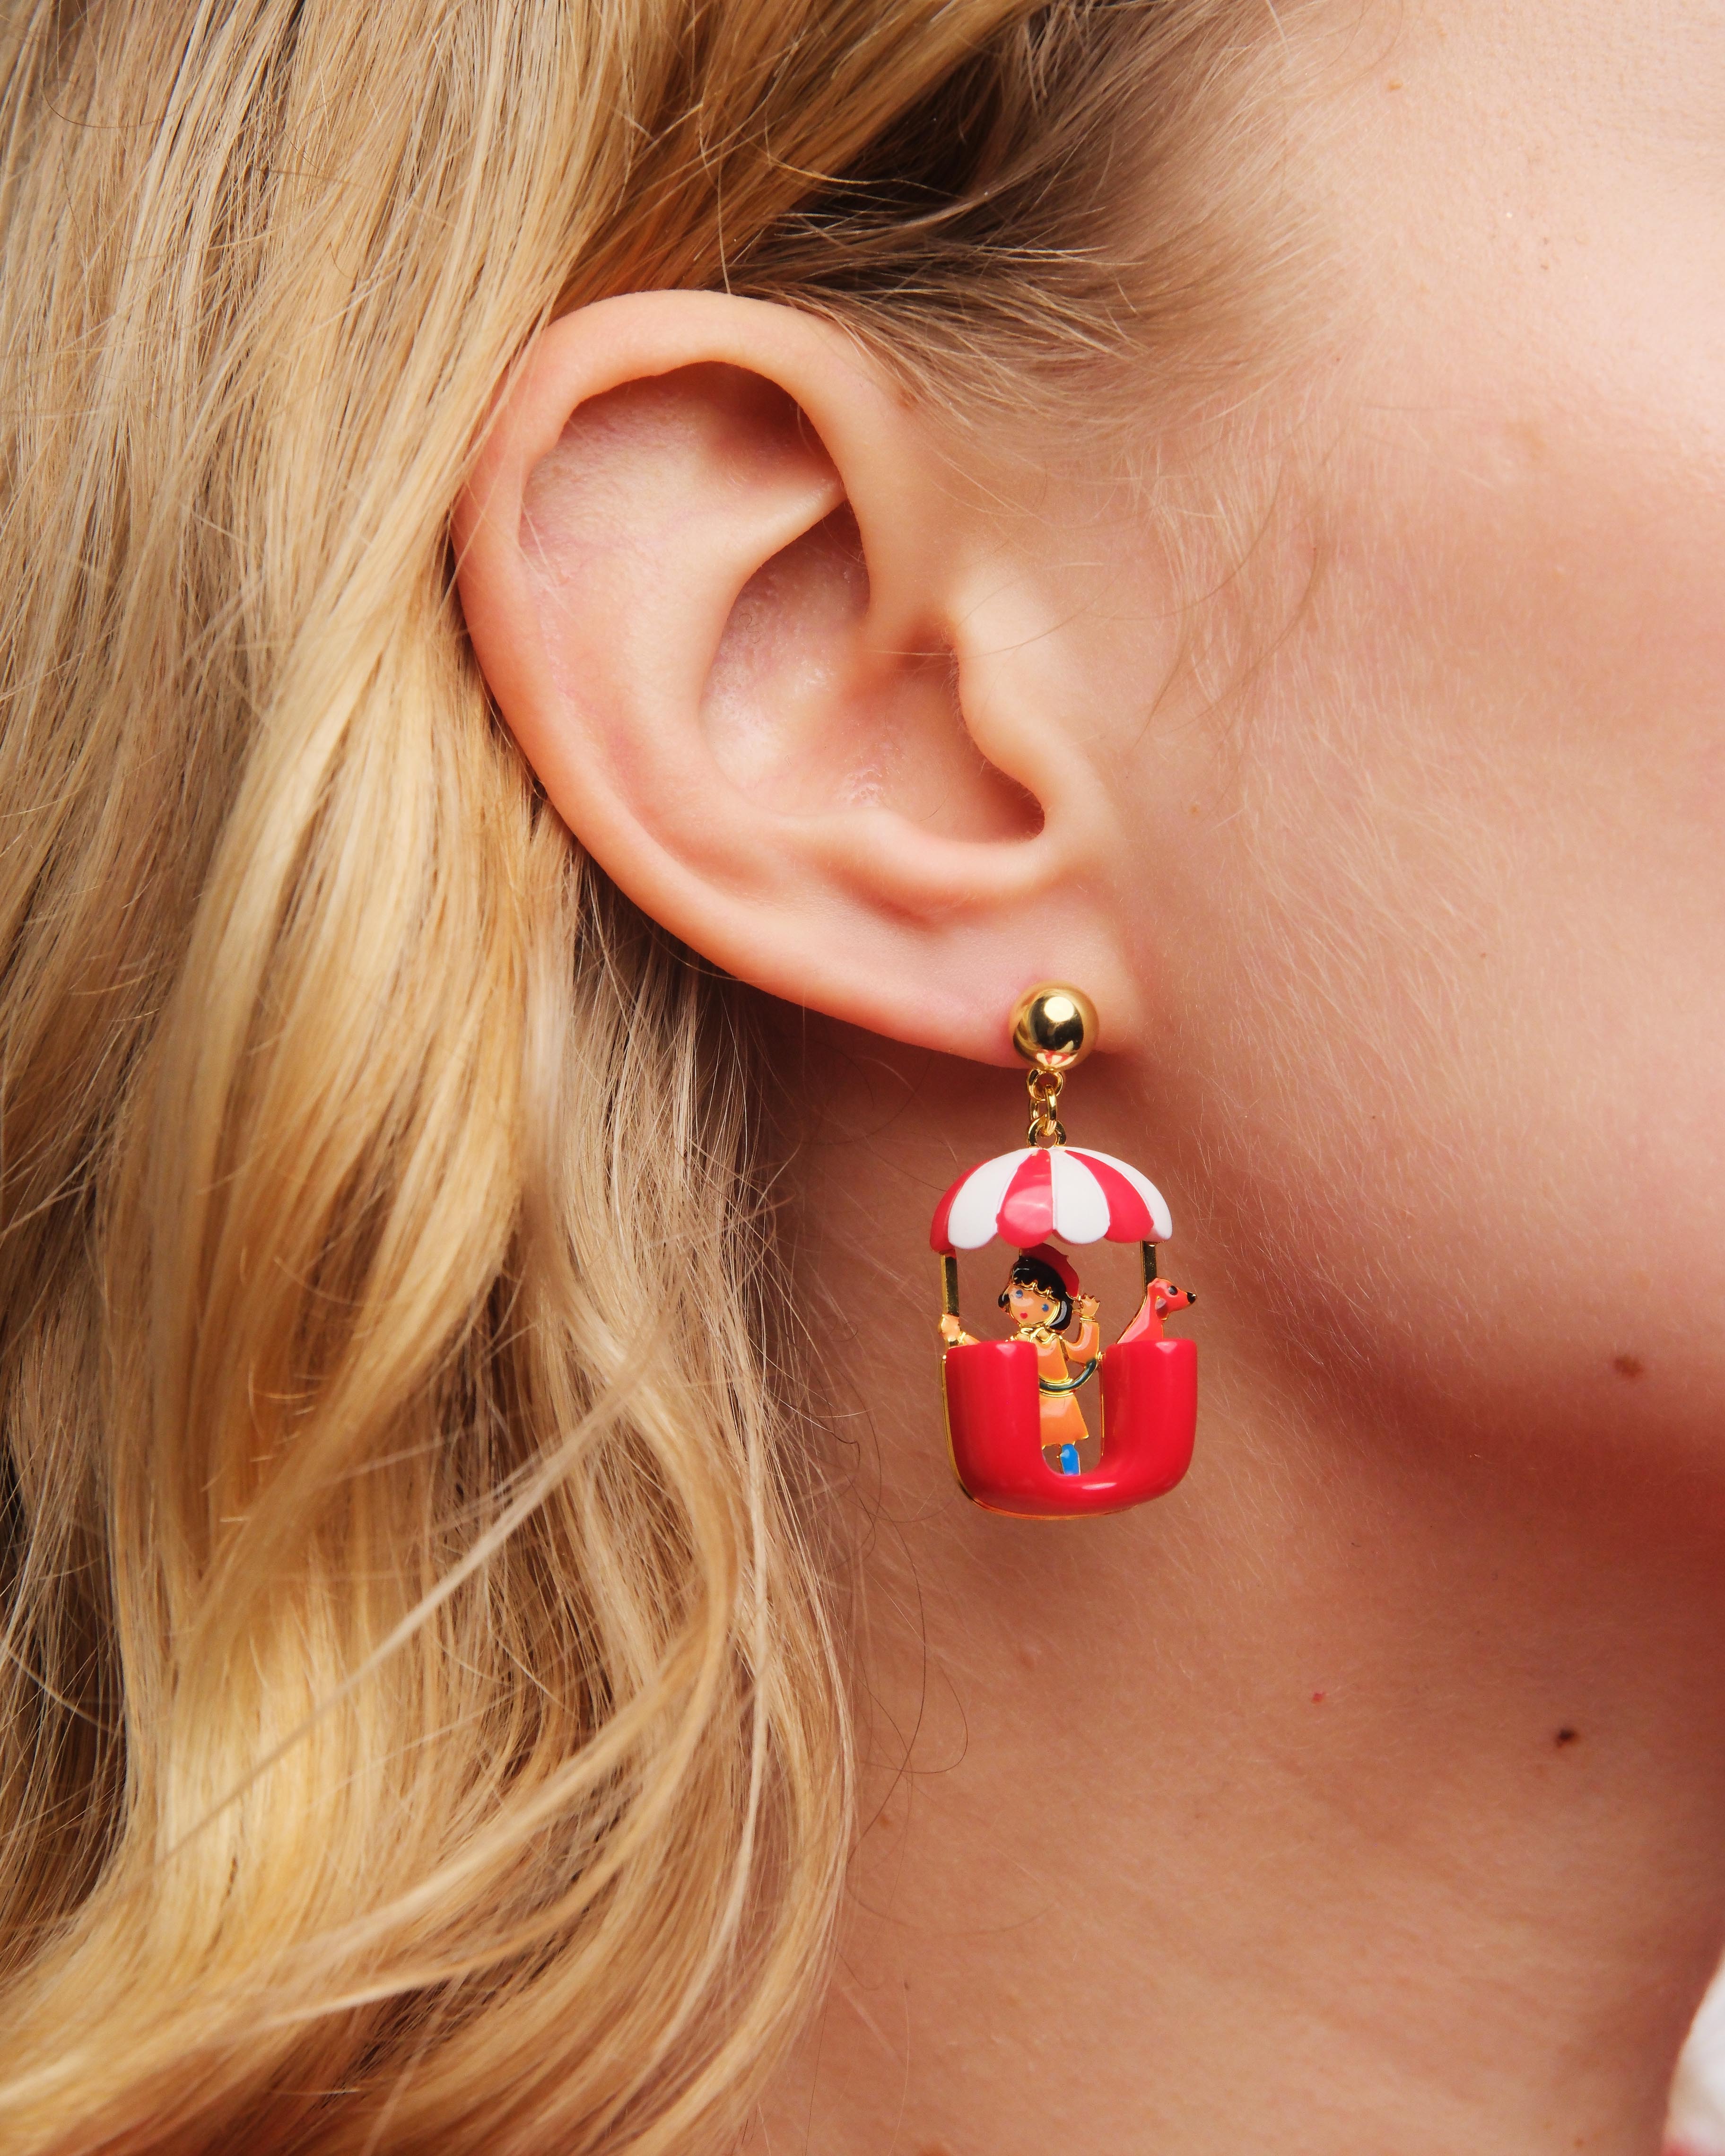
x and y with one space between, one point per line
1066 1191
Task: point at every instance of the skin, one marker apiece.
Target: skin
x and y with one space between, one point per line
1367 1794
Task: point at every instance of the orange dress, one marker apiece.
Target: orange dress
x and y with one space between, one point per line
1062 1419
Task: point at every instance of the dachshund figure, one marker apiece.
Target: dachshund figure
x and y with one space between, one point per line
1161 1298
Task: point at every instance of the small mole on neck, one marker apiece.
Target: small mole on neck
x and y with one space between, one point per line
1566 1736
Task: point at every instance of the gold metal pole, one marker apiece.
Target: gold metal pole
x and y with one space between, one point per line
1147 1253
949 1287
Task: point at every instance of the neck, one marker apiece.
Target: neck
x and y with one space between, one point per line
1372 1784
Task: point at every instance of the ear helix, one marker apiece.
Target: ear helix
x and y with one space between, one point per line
1013 1423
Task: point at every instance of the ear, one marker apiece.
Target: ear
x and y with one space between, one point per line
756 637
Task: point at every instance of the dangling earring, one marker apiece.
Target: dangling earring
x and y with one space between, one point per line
1015 1416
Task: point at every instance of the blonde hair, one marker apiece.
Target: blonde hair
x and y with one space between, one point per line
424 1717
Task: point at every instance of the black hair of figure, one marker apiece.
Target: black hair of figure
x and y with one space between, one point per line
1031 1272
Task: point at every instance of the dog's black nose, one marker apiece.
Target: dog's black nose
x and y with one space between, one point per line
1192 1294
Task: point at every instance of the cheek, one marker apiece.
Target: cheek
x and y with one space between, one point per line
1448 979
1443 826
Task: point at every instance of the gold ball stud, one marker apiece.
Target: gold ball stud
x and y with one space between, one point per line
1054 1026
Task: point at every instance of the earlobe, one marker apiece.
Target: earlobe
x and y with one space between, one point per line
727 602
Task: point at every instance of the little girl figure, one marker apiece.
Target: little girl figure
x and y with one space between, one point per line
1040 1296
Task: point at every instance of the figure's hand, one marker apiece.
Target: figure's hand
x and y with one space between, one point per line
1087 1306
950 1331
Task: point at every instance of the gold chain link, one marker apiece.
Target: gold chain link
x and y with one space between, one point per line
1044 1087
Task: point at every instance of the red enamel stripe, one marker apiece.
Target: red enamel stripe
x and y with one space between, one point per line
943 1213
1026 1213
1128 1216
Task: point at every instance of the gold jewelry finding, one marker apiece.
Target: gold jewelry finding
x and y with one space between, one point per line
1054 1027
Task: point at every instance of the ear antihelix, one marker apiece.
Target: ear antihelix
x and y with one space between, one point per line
1015 1421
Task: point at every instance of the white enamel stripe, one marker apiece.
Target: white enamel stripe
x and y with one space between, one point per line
975 1209
1081 1205
1146 1189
